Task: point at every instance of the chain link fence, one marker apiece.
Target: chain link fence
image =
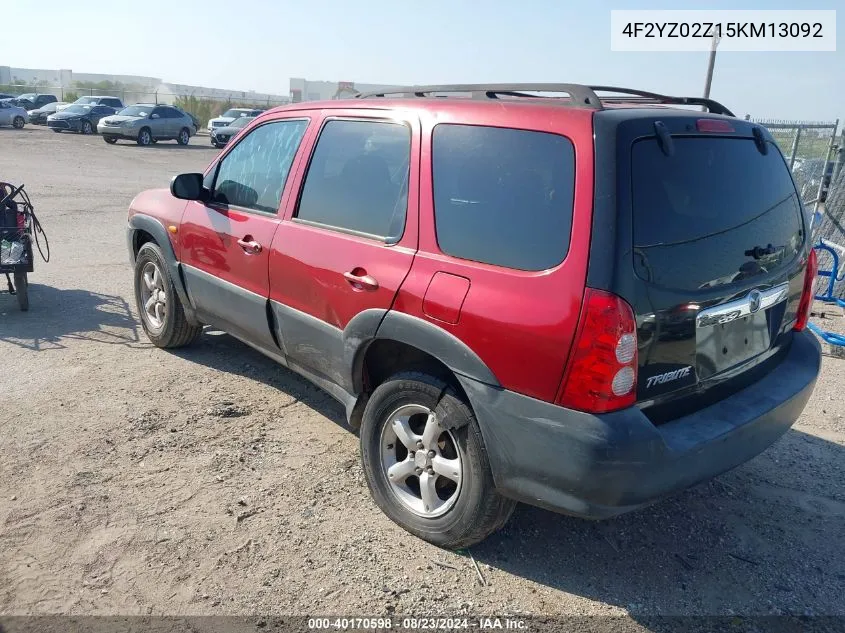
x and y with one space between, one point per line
816 156
809 151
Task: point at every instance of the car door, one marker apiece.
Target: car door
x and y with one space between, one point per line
159 123
350 236
175 122
225 243
98 112
5 114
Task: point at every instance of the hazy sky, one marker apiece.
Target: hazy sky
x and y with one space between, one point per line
259 44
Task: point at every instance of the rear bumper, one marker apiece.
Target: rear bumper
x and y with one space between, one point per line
597 466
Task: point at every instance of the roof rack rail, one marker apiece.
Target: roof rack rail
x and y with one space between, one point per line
652 97
580 95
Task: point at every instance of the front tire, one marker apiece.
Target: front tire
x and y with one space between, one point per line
145 137
184 136
110 140
18 122
425 463
87 128
159 307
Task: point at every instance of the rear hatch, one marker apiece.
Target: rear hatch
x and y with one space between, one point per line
708 236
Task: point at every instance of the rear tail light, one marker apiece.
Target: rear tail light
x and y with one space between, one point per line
602 372
806 303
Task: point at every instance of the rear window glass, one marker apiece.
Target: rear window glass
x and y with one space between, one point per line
700 214
708 185
503 196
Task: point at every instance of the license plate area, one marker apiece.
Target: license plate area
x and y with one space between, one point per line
724 345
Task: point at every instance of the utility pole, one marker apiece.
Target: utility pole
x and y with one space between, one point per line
710 64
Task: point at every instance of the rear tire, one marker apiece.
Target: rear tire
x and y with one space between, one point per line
22 290
159 307
18 122
184 136
456 451
145 137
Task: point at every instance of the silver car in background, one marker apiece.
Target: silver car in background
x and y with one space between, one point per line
13 115
147 123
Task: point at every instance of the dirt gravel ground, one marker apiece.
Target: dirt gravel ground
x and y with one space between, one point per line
211 481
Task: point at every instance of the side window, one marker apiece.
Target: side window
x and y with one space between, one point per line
172 113
160 112
254 173
358 178
503 196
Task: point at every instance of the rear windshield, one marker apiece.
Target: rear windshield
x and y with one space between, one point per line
715 202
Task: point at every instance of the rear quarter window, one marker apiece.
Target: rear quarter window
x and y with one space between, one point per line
503 196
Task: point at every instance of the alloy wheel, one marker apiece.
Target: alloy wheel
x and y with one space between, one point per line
153 295
421 461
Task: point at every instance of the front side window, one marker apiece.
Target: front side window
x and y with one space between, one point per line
503 196
358 178
254 173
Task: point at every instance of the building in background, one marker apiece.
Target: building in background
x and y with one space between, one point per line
305 90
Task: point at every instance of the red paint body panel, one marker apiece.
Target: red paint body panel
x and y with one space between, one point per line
161 205
209 239
210 233
521 324
445 296
307 262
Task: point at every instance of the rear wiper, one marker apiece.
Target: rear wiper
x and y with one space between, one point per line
759 252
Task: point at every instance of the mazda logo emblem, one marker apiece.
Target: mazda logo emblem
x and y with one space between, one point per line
754 299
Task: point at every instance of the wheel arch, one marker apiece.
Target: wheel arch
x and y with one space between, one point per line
378 344
143 229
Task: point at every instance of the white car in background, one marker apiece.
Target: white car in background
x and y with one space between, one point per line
230 115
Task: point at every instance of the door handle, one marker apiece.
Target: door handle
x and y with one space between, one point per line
250 246
361 281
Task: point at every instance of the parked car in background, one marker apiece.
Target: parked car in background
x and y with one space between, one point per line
147 123
221 135
194 119
112 102
39 115
4 95
33 101
12 115
78 118
230 115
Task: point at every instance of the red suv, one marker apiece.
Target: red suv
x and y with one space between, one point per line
518 292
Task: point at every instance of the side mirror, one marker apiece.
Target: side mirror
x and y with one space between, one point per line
154 116
188 187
